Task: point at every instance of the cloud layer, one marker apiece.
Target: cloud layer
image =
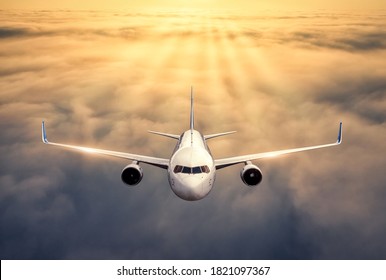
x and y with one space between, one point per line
102 79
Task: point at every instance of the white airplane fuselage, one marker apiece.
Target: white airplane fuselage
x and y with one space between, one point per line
191 171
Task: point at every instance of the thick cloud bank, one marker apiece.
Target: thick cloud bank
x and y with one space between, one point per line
103 79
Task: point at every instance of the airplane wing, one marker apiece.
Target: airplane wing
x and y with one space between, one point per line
225 162
159 162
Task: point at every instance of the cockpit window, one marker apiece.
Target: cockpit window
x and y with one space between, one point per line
196 170
191 170
186 170
205 169
177 169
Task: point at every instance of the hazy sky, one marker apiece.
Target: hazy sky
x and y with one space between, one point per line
246 5
281 80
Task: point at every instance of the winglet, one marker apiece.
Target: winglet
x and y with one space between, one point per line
44 134
340 134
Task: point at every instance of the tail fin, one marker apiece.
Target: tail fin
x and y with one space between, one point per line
191 109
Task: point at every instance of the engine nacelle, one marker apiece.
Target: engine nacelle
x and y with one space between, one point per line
132 174
251 175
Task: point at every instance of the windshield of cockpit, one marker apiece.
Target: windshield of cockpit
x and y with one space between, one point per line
191 170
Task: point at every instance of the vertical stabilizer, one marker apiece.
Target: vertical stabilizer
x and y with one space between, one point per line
191 110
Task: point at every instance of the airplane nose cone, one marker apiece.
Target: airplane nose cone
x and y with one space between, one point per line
192 182
191 188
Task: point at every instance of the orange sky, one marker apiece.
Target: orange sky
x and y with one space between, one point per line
213 4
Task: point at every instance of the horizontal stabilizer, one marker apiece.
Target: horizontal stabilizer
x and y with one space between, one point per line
174 136
210 136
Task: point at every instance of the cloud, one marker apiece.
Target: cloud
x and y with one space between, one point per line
343 32
6 32
103 79
349 40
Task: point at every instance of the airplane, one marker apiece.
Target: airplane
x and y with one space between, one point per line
191 168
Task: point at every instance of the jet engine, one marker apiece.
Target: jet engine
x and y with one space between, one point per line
132 174
251 175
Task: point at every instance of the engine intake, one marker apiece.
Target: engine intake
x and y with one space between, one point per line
132 174
251 175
